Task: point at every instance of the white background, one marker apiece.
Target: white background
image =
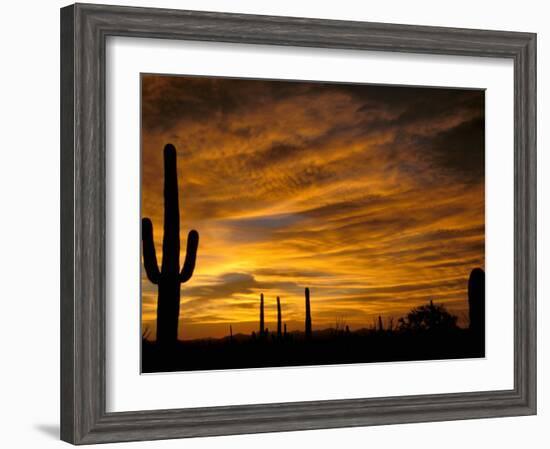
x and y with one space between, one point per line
126 58
29 177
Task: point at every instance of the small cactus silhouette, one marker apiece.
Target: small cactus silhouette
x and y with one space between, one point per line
285 330
380 324
169 278
279 330
476 301
262 327
308 315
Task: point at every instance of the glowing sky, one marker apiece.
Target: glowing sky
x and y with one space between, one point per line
371 196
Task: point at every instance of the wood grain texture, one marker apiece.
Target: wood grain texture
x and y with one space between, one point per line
67 225
84 29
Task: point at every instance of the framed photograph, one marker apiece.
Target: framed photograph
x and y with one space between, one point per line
274 223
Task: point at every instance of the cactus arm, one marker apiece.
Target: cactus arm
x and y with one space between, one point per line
190 256
149 253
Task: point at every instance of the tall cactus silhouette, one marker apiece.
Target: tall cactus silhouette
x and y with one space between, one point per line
262 324
169 278
279 324
308 315
476 302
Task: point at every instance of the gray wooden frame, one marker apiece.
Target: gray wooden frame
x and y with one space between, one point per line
84 29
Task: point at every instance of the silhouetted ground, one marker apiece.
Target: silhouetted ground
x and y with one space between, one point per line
326 347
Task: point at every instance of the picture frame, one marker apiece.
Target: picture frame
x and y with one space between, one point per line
84 29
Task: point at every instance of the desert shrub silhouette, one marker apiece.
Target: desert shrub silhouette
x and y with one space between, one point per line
169 278
430 317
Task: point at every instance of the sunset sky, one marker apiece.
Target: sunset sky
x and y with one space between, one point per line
371 196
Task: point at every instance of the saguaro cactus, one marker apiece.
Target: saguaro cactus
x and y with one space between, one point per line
308 315
169 278
279 324
476 302
262 326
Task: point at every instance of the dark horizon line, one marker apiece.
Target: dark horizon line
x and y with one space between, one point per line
296 331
